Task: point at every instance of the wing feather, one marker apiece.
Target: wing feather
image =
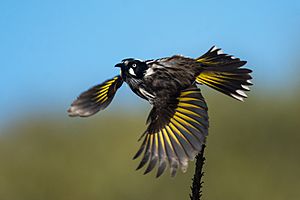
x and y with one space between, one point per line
96 98
146 153
178 149
173 160
181 136
154 154
176 133
162 155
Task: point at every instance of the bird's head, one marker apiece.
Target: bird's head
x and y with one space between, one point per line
133 67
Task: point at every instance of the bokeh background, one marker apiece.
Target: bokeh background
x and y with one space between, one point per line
50 51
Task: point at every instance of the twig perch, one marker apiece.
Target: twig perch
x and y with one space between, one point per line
197 182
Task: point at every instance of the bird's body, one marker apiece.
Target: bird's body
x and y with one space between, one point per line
156 82
178 121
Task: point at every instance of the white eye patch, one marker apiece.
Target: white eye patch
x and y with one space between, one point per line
131 71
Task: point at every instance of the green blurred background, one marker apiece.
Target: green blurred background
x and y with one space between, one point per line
53 50
252 153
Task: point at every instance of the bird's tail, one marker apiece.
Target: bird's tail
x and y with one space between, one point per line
224 73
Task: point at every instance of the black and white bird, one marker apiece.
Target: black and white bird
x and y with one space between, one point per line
178 122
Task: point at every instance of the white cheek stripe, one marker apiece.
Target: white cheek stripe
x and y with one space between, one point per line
131 71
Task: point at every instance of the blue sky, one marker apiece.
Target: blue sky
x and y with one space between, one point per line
52 50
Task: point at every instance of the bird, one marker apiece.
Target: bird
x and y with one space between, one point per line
177 125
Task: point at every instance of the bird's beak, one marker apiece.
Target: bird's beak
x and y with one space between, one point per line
119 65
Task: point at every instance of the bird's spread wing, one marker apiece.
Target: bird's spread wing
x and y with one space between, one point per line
175 133
96 98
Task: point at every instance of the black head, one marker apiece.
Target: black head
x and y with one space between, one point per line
133 67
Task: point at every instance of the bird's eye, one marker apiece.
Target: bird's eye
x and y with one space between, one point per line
134 65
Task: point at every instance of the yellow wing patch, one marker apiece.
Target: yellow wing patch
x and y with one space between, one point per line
181 135
103 93
96 98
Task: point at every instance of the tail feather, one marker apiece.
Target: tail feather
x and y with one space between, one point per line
223 72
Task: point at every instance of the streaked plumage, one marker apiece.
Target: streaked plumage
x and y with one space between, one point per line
178 122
